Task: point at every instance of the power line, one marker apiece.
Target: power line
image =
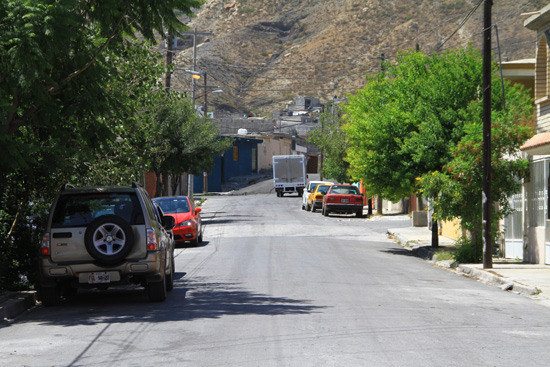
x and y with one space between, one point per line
462 23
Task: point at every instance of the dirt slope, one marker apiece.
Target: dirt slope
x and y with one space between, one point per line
263 53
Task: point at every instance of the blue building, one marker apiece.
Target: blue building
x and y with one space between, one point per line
240 160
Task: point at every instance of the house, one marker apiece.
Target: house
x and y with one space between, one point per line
536 223
240 160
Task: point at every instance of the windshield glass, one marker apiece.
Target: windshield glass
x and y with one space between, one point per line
173 205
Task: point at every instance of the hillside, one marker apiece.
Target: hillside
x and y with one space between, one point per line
263 53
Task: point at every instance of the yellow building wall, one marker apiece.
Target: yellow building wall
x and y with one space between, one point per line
451 229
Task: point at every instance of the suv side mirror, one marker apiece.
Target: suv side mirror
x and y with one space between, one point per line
168 222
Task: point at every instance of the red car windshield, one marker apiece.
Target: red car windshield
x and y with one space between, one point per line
173 205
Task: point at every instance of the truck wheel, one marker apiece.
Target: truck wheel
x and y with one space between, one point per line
109 239
170 276
157 290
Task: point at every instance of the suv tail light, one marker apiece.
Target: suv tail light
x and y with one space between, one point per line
152 243
45 248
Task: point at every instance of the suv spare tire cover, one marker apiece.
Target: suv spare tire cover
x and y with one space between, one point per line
109 239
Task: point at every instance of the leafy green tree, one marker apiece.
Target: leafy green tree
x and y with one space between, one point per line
180 141
331 140
456 191
404 122
423 119
73 82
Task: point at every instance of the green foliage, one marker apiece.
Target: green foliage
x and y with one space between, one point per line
331 140
468 252
75 88
179 141
405 122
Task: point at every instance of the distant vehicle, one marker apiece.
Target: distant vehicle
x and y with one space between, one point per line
289 174
311 185
188 226
98 237
315 198
343 199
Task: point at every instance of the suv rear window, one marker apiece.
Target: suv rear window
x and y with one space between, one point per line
80 209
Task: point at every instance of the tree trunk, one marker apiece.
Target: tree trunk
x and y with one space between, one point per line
379 205
435 234
158 188
369 206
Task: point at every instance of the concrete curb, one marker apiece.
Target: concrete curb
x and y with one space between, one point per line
420 248
485 276
14 304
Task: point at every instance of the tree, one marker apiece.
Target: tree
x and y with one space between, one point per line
456 191
331 140
180 141
403 123
73 81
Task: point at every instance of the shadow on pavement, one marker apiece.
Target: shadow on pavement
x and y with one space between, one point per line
190 299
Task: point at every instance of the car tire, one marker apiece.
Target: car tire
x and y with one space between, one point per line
200 236
308 208
109 239
359 214
170 275
50 296
313 209
325 212
157 290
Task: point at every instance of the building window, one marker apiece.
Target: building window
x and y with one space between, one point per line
541 77
538 194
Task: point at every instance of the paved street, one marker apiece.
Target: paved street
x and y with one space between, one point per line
273 285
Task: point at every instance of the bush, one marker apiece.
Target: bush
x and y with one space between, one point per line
466 252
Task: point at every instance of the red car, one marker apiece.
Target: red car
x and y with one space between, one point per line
188 219
343 199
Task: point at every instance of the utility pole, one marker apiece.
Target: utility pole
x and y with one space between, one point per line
205 98
169 58
486 199
194 33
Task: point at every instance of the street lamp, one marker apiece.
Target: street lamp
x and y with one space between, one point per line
196 76
202 74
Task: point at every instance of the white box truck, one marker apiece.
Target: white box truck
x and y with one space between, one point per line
289 174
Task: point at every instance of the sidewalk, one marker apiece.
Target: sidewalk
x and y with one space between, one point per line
531 280
13 304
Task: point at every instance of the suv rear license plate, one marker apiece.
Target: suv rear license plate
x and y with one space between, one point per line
98 278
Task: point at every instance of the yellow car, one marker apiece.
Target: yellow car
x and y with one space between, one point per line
315 198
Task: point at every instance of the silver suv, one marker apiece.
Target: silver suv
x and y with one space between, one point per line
104 236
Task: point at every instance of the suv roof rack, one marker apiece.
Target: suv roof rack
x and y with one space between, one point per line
67 186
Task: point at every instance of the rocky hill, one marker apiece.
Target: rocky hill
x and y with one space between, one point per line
263 53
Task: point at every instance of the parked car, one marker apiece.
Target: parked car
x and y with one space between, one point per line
343 199
99 237
311 185
315 198
188 226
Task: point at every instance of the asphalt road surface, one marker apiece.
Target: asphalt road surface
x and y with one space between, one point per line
273 285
